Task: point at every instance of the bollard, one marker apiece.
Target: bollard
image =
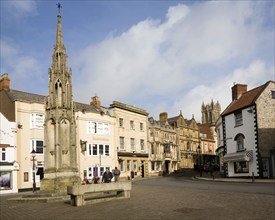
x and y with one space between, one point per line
253 178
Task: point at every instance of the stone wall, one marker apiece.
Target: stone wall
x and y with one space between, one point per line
266 120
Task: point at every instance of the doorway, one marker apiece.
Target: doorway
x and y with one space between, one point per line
167 163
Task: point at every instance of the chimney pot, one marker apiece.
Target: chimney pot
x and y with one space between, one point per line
96 101
5 82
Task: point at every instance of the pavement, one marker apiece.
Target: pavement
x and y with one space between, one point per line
234 180
151 202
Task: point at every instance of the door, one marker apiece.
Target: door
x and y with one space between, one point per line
265 168
167 162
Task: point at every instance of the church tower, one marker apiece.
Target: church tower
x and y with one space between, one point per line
61 159
210 112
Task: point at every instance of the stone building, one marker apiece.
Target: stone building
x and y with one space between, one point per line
188 139
210 112
248 125
208 136
162 146
130 139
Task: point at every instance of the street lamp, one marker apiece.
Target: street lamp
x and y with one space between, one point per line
33 154
199 159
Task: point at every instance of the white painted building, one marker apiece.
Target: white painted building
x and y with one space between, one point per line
8 164
248 125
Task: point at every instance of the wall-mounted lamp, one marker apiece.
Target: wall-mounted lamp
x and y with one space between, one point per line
83 145
19 125
250 110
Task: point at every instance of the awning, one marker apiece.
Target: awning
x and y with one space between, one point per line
238 156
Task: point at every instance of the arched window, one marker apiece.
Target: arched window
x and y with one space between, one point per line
239 138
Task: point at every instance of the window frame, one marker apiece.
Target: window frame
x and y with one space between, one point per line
98 128
142 144
94 149
238 118
121 143
35 123
3 154
132 143
132 125
121 122
141 126
239 138
241 167
34 146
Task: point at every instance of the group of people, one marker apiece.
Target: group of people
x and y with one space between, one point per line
108 176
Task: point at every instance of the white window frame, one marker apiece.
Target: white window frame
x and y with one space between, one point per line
3 154
142 144
97 146
132 143
121 165
98 128
135 165
37 120
128 165
33 145
121 143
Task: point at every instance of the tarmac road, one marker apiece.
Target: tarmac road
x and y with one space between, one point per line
152 200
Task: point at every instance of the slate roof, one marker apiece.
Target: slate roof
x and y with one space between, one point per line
245 100
16 95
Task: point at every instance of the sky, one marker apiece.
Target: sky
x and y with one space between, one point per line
160 56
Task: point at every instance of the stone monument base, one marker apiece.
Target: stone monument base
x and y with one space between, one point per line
59 184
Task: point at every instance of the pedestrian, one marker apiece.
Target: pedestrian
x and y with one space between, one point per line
211 169
132 174
116 174
107 176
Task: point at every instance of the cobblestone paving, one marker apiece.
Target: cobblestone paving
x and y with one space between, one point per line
146 202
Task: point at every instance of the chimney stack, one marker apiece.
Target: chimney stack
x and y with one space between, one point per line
5 82
96 101
237 90
163 117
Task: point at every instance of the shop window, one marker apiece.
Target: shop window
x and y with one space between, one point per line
241 167
5 180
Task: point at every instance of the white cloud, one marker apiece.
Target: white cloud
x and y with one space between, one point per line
24 69
17 9
194 55
254 75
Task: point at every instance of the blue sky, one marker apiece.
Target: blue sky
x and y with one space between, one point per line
156 55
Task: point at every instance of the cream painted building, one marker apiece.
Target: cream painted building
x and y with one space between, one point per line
95 132
130 139
27 111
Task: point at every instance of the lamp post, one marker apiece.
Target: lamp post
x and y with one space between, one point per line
33 154
199 159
